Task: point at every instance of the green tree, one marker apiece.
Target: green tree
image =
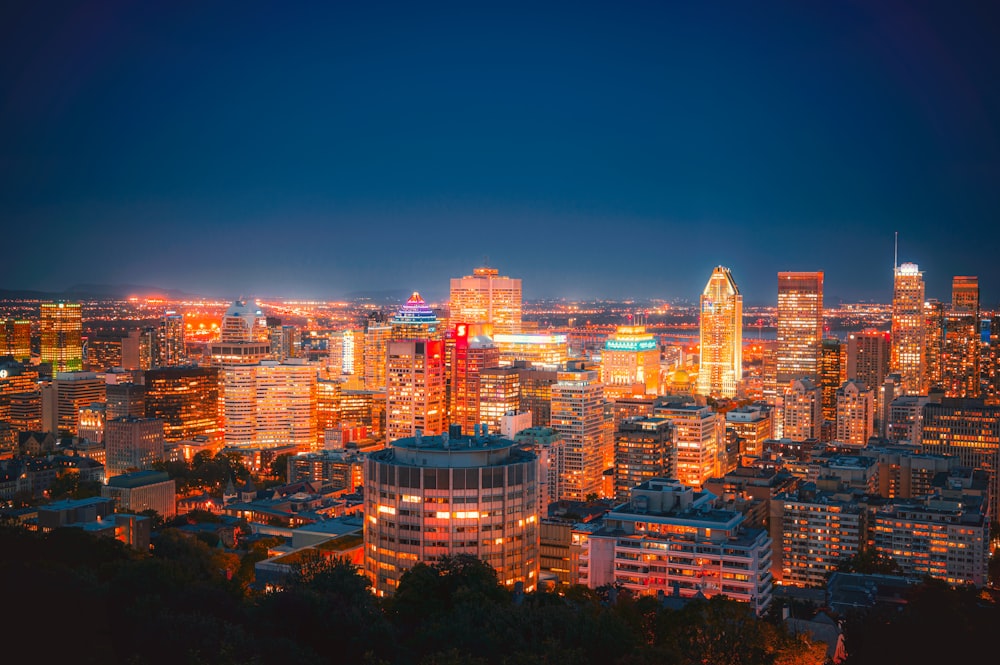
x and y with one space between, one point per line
328 608
870 561
279 468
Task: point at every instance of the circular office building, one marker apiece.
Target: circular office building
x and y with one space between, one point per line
433 496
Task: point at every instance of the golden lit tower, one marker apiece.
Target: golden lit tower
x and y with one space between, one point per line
800 326
415 390
960 361
499 393
15 339
486 297
416 397
187 400
578 415
377 334
630 362
907 349
829 378
720 367
170 348
62 336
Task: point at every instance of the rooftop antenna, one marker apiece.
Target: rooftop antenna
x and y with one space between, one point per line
895 253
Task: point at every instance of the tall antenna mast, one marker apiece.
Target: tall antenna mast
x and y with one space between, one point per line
895 253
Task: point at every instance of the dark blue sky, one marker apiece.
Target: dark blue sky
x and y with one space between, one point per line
592 149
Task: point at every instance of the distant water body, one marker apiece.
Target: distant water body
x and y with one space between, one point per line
751 333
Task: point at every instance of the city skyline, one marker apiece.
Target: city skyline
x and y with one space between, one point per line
604 152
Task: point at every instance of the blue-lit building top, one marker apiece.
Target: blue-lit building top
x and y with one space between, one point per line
415 319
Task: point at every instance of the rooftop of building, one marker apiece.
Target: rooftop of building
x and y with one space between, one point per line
138 479
447 450
74 504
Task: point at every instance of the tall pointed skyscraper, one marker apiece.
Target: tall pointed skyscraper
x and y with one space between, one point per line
415 373
907 351
800 326
720 367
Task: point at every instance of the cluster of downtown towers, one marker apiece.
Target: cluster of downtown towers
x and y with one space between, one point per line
483 372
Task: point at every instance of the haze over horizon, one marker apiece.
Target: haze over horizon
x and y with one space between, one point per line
592 150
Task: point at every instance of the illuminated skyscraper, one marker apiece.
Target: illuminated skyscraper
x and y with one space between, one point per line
868 362
377 334
137 349
243 337
800 326
471 356
328 418
578 415
15 378
934 336
908 326
15 339
285 404
536 393
830 376
499 393
486 297
868 356
699 431
62 331
969 429
170 350
270 404
802 412
962 340
285 340
415 390
243 323
74 391
855 413
753 424
415 320
720 367
416 397
550 351
644 449
187 400
630 362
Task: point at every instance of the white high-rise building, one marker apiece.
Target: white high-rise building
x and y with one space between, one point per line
270 404
578 416
906 353
855 413
487 297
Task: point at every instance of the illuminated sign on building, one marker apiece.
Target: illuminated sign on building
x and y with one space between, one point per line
630 345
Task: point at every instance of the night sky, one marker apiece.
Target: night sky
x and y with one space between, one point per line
615 150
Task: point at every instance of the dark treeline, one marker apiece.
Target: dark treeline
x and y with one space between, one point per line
73 596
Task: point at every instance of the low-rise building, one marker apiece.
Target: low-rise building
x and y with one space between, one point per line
143 490
668 538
